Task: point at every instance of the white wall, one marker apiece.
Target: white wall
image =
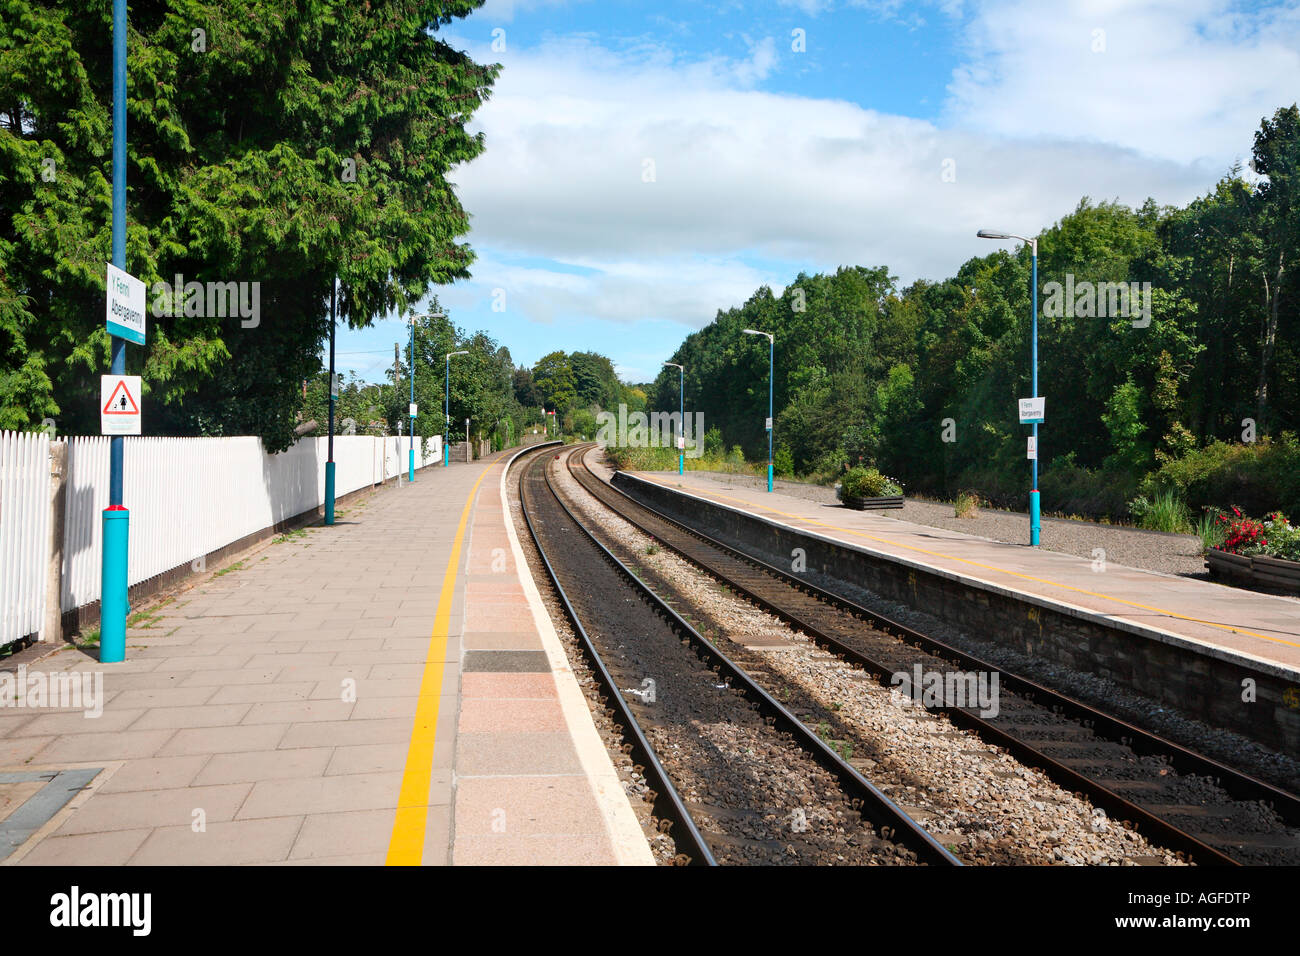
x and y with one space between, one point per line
187 497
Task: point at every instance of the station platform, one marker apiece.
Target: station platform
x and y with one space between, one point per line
1219 621
388 690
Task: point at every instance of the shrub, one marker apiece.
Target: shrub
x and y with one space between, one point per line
1163 512
868 483
1260 477
783 462
967 503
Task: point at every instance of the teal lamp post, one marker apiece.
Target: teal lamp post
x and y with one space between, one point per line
681 417
771 365
1034 520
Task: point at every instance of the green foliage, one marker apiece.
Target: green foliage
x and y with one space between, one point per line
237 162
1260 477
783 462
868 483
1163 512
923 380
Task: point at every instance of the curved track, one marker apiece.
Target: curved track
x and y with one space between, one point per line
1131 774
739 778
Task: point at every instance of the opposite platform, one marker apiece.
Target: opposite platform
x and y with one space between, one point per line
384 690
1223 622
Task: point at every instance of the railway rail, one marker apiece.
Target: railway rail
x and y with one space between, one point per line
737 777
1129 773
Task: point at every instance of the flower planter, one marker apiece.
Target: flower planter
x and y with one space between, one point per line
1260 571
872 504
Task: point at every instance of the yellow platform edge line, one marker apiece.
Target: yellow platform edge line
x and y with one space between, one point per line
406 845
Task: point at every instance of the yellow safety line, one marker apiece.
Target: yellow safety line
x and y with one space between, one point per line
993 567
406 845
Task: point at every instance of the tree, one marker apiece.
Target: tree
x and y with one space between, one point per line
269 144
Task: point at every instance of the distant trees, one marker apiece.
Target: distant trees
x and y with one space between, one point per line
575 382
923 380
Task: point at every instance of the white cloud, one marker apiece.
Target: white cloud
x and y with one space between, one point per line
743 176
1188 80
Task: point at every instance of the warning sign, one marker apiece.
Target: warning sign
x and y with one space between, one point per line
119 404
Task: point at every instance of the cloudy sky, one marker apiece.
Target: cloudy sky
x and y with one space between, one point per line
650 163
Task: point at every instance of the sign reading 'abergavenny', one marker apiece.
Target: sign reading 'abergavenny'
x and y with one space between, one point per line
1031 410
125 305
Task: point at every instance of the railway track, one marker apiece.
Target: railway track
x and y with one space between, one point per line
738 778
1203 809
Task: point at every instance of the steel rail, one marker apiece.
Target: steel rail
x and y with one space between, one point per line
874 806
1142 742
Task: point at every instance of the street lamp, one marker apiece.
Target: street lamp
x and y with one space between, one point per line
771 366
446 410
681 418
1034 521
410 439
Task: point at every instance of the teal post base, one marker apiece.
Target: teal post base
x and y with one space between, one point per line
410 465
113 606
681 463
446 454
1034 521
769 476
329 492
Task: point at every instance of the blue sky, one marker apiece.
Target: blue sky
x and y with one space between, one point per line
650 163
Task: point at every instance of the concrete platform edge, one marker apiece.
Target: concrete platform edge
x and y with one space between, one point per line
629 841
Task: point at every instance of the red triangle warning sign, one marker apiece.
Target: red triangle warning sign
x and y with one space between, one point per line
121 402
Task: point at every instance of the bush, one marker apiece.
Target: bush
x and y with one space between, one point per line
966 504
868 483
1260 477
783 462
1163 512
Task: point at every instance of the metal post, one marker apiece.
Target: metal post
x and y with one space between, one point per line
681 420
446 411
771 374
410 439
113 606
329 461
1034 519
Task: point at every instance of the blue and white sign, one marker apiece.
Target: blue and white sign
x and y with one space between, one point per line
1031 410
125 305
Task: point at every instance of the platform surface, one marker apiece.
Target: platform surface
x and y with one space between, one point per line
387 690
1221 620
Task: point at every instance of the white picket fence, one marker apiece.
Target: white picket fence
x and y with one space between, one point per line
24 532
187 497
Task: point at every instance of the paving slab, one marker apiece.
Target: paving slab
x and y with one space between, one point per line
313 704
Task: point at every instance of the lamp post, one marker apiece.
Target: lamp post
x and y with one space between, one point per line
446 410
1034 521
114 576
329 463
681 418
410 439
771 367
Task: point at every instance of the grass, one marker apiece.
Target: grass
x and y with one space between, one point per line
1208 529
1165 511
237 566
290 535
966 505
652 549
